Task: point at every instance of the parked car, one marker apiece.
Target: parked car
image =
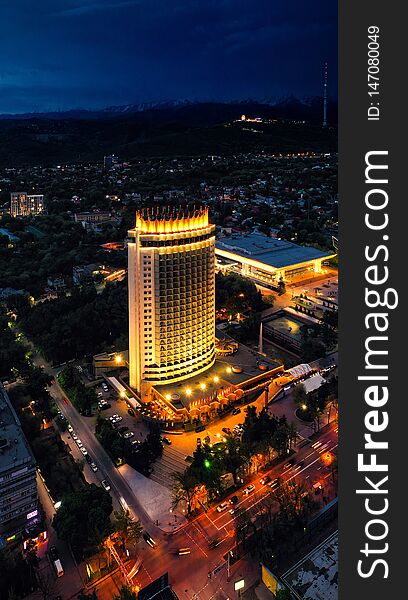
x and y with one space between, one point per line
226 430
166 440
131 412
236 411
199 429
93 467
84 451
106 485
53 552
128 435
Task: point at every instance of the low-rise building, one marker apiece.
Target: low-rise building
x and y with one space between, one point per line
268 260
19 506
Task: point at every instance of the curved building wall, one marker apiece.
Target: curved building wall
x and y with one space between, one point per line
171 302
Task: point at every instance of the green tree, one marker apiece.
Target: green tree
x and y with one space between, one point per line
185 489
125 593
83 516
129 530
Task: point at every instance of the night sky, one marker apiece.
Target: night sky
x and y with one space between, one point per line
61 54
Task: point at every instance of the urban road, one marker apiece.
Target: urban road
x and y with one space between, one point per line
189 573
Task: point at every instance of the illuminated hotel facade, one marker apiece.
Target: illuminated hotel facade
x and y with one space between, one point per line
171 281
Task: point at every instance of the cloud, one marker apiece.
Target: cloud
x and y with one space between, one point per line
92 7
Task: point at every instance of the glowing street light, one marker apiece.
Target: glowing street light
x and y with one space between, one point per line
216 379
168 396
188 391
229 370
118 359
202 386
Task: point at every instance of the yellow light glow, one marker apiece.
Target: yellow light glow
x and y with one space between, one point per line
216 379
202 386
188 392
168 396
229 370
118 359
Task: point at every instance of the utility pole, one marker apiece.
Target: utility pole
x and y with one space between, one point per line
325 96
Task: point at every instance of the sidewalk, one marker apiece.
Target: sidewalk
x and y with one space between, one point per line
156 500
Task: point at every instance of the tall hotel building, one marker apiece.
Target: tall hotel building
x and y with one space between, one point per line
171 260
23 204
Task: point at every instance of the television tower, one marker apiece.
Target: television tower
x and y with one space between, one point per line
325 96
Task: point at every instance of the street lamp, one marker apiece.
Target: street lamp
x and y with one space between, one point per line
188 391
118 359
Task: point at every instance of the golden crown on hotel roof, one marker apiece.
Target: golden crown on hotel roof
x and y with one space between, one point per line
170 219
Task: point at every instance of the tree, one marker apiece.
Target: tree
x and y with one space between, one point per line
299 394
185 489
125 593
83 517
128 529
232 457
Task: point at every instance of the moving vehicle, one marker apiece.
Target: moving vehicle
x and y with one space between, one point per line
58 568
236 411
274 483
249 489
166 440
221 507
128 434
182 551
265 479
106 485
148 539
234 499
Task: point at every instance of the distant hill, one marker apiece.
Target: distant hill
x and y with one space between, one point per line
182 128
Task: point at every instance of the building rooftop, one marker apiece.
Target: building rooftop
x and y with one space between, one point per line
14 449
271 251
315 576
245 358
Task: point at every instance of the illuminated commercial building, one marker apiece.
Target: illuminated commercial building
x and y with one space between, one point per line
23 204
267 260
171 258
19 507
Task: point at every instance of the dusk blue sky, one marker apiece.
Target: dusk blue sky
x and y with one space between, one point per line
61 54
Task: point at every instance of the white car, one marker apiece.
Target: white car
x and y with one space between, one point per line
106 485
70 429
249 489
84 451
222 507
79 443
93 467
74 436
128 434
